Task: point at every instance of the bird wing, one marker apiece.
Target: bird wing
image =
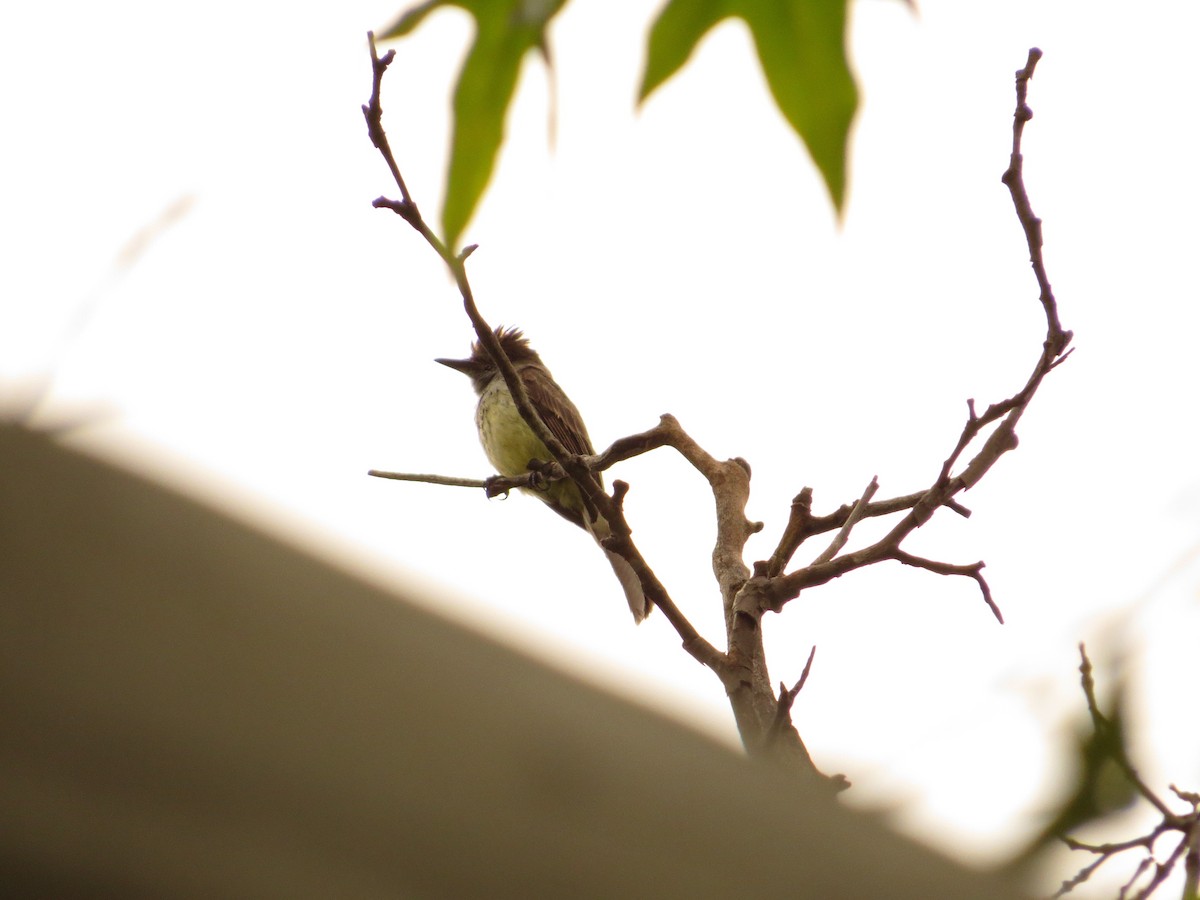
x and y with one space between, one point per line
557 411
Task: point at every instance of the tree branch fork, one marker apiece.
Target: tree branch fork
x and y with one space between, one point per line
748 594
1183 826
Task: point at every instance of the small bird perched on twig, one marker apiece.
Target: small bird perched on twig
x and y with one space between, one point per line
510 444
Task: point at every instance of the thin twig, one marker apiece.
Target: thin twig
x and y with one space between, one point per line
770 589
1187 825
802 524
843 535
1014 180
1101 724
448 480
787 697
970 570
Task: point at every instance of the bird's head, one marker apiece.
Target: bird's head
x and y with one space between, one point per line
481 368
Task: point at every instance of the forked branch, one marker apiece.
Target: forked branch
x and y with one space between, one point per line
764 719
771 588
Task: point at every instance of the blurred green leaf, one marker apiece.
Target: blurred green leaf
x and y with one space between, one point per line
1102 782
1103 787
802 49
505 30
410 20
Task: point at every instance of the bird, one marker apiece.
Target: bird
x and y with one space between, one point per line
511 445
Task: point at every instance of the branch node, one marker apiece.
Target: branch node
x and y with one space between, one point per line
620 489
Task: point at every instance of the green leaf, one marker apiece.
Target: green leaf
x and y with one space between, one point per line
673 37
505 30
801 46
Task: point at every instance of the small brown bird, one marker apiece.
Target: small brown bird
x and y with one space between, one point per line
510 443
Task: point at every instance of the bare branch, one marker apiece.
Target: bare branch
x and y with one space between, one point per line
1101 724
973 570
1186 796
407 209
1014 180
742 669
1186 825
770 589
843 535
802 524
1142 866
634 445
493 485
1081 876
783 715
448 480
1146 841
575 467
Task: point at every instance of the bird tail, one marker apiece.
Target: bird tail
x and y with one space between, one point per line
630 584
634 595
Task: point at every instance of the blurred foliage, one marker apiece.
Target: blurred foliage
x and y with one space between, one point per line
505 30
1102 784
801 45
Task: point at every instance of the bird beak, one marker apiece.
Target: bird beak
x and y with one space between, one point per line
466 366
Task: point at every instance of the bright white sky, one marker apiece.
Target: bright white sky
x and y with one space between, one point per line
277 341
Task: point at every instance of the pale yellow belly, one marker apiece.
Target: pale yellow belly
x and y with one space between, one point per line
507 440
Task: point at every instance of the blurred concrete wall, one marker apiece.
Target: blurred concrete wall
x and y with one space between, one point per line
190 708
